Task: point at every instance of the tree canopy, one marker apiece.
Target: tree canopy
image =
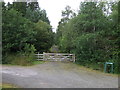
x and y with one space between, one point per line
25 25
93 34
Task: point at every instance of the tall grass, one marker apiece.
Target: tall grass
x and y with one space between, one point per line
19 59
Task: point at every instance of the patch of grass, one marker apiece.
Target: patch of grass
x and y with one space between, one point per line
94 66
33 63
6 85
38 62
98 68
19 59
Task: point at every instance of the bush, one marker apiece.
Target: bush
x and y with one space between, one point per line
85 48
91 49
19 59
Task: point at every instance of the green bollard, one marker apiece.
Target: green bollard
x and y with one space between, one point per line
105 66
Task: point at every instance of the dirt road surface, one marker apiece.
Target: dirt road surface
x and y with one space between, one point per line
57 75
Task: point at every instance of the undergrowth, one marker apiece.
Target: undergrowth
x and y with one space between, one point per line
21 59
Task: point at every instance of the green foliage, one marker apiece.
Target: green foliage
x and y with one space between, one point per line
36 15
17 30
5 86
29 52
90 48
44 36
21 59
38 62
17 59
85 47
33 5
24 58
67 14
26 29
29 49
19 6
93 35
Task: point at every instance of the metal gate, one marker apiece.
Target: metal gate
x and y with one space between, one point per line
56 57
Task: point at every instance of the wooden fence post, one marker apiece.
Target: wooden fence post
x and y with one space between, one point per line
73 57
38 55
44 56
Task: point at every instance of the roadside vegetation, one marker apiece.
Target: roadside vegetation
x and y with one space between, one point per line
92 34
23 60
6 85
26 30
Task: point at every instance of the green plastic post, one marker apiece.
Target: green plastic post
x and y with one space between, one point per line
112 68
105 66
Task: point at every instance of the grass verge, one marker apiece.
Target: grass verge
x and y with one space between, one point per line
38 62
21 60
33 63
6 85
95 68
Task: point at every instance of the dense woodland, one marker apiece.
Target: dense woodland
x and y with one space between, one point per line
26 29
92 34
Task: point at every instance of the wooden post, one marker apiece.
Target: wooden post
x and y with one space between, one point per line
73 57
43 56
38 55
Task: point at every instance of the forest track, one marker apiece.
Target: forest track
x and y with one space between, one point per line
57 75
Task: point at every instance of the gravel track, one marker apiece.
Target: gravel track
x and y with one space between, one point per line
57 75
